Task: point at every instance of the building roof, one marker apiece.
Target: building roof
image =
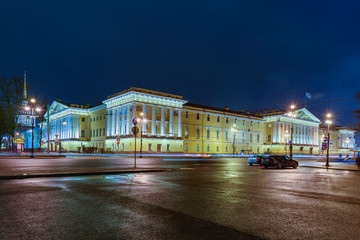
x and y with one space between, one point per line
142 90
225 110
75 105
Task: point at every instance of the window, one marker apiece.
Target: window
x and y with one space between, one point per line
258 138
251 135
251 123
208 133
93 132
301 149
93 119
122 147
147 110
150 147
186 147
97 118
217 133
198 132
243 122
100 132
217 148
100 117
186 131
235 121
97 132
90 119
83 133
83 119
156 111
103 131
227 120
186 114
90 133
208 117
243 136
218 119
258 124
226 134
208 148
197 147
104 116
198 116
227 148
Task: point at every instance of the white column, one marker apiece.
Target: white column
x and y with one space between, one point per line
144 125
108 124
279 133
113 115
128 121
295 133
153 123
117 121
133 111
274 132
123 120
265 137
77 128
162 128
171 122
179 124
282 132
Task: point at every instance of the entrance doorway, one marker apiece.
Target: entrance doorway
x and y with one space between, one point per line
311 151
159 148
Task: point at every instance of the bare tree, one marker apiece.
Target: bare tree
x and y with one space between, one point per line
357 111
11 98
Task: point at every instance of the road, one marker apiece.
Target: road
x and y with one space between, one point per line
200 200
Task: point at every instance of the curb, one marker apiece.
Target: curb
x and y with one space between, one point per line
81 174
329 168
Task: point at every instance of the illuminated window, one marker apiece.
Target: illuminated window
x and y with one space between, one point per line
186 114
197 147
208 148
208 117
147 110
198 116
243 122
198 132
150 147
186 147
186 131
168 148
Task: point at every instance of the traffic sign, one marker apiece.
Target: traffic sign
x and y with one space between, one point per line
118 142
134 121
118 139
290 142
135 130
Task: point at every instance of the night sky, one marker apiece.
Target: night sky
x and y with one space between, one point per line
242 54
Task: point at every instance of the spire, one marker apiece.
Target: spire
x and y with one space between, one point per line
25 92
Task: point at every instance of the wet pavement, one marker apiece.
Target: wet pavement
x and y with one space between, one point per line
199 200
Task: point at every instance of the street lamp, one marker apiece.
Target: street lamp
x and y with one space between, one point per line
328 122
141 120
63 123
234 130
32 108
292 115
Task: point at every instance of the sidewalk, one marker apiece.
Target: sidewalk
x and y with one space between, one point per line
334 165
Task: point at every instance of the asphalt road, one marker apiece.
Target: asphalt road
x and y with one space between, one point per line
217 200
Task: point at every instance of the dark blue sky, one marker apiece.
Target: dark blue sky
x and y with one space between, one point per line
241 54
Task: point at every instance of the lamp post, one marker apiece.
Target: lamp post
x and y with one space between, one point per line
32 108
234 130
142 120
62 123
292 115
328 122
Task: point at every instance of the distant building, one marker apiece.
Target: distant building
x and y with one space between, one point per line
176 126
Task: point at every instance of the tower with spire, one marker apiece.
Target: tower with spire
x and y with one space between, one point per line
25 90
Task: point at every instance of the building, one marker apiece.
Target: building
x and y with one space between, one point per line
168 123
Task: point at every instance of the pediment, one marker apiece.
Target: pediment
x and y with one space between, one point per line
305 114
57 107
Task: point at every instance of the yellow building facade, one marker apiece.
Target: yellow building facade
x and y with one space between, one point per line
170 124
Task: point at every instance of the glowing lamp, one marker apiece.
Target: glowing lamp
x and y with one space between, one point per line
33 100
27 108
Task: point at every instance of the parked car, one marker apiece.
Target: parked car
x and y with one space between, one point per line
256 159
279 161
